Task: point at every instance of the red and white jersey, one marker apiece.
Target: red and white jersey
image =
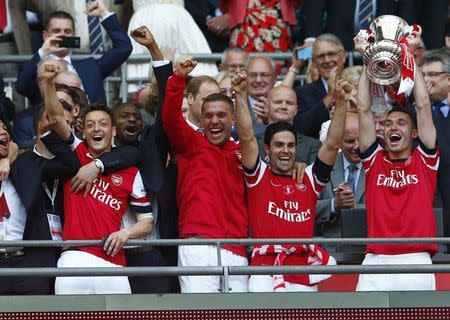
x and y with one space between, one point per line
280 208
100 212
399 198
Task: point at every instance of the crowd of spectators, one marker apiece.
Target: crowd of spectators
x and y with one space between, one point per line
214 151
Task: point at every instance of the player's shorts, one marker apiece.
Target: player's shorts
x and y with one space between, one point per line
397 281
189 256
88 285
264 283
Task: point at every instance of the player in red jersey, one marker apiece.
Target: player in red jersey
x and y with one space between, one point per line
98 214
279 207
400 187
211 189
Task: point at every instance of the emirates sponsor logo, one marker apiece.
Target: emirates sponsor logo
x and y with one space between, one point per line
116 179
99 192
287 214
397 179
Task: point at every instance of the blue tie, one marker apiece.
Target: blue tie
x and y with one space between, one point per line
95 35
365 13
444 109
351 178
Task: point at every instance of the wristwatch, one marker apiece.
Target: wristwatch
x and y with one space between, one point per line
99 165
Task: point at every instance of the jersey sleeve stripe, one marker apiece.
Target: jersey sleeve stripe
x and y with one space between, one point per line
141 209
140 204
313 179
250 182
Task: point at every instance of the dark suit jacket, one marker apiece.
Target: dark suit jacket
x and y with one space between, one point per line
27 174
312 112
306 151
443 141
91 71
332 227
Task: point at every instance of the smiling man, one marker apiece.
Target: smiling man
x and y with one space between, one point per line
282 106
278 206
316 99
346 186
400 187
96 214
210 190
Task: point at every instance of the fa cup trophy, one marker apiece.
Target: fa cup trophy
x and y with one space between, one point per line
388 58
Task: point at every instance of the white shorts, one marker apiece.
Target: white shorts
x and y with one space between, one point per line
264 283
397 281
88 285
189 256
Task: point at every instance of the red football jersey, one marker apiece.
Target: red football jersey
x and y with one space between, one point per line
100 213
399 199
281 208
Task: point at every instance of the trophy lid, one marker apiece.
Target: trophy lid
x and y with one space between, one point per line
388 27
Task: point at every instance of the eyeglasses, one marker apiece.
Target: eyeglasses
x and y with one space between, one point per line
330 54
433 74
264 75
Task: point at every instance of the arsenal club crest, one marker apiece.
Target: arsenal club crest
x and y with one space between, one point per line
288 189
300 186
116 179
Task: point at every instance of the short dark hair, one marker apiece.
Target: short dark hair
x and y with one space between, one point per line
213 97
397 108
60 15
276 127
98 107
122 104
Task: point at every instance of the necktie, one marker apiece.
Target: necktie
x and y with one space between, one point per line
95 35
351 178
444 109
365 14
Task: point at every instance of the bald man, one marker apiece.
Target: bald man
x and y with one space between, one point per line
346 187
282 106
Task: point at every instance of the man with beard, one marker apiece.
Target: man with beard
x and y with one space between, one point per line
278 206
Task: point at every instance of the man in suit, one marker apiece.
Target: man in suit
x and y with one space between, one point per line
436 71
261 75
91 71
315 99
282 106
346 187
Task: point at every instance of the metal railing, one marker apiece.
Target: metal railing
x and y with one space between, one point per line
124 80
225 271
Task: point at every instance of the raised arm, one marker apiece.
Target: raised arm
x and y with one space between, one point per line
144 37
247 139
425 125
328 152
367 129
47 72
182 137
